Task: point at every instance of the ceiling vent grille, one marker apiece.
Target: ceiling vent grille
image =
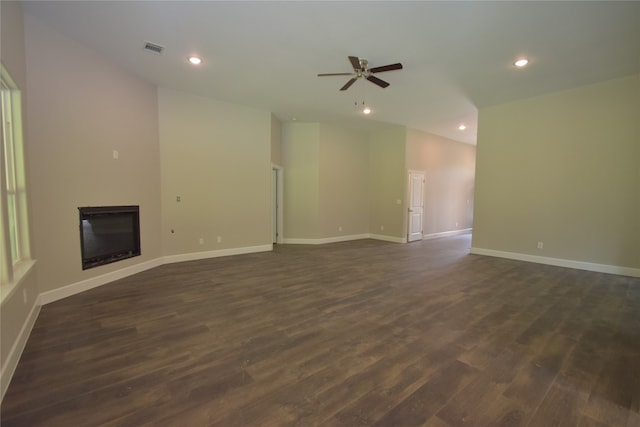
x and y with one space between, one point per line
153 48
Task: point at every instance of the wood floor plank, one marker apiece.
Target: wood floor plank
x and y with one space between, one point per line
469 405
533 381
504 412
434 421
354 333
417 408
586 421
396 386
559 408
614 392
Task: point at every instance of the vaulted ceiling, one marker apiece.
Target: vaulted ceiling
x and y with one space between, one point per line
457 56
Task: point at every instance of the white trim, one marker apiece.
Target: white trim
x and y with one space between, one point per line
215 254
21 271
94 282
84 285
322 241
559 262
13 357
337 239
388 238
279 202
446 233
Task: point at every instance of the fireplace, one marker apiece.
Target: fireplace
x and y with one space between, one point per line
108 234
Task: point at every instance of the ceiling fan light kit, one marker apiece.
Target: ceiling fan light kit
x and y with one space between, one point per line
361 70
362 108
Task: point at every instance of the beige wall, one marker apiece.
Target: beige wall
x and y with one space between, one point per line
343 204
15 309
336 179
300 154
217 158
387 182
361 177
449 168
562 169
80 109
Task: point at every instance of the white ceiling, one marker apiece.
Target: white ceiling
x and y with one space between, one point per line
457 56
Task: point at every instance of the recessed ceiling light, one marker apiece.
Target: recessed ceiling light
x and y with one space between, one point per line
462 127
366 110
521 62
195 60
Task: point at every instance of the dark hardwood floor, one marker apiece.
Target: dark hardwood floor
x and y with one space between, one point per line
347 334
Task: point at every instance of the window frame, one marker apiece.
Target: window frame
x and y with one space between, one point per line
16 260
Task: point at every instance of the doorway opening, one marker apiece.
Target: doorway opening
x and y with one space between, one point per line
277 197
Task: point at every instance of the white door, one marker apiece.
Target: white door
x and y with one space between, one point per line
416 205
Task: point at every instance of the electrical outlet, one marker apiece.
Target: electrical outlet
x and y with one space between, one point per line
202 241
382 228
340 228
219 239
177 198
540 245
116 155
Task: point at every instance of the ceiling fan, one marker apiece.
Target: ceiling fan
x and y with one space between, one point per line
361 69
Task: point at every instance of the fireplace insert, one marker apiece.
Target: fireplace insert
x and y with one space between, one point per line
108 234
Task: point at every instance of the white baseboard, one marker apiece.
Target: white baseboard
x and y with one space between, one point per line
10 364
447 233
560 262
322 241
337 239
388 238
193 256
84 285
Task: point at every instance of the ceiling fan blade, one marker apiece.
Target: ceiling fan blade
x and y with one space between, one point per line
355 62
334 74
379 82
389 67
349 83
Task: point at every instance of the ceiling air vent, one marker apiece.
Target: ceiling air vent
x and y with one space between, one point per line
153 48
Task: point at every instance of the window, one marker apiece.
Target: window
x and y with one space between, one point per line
14 228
